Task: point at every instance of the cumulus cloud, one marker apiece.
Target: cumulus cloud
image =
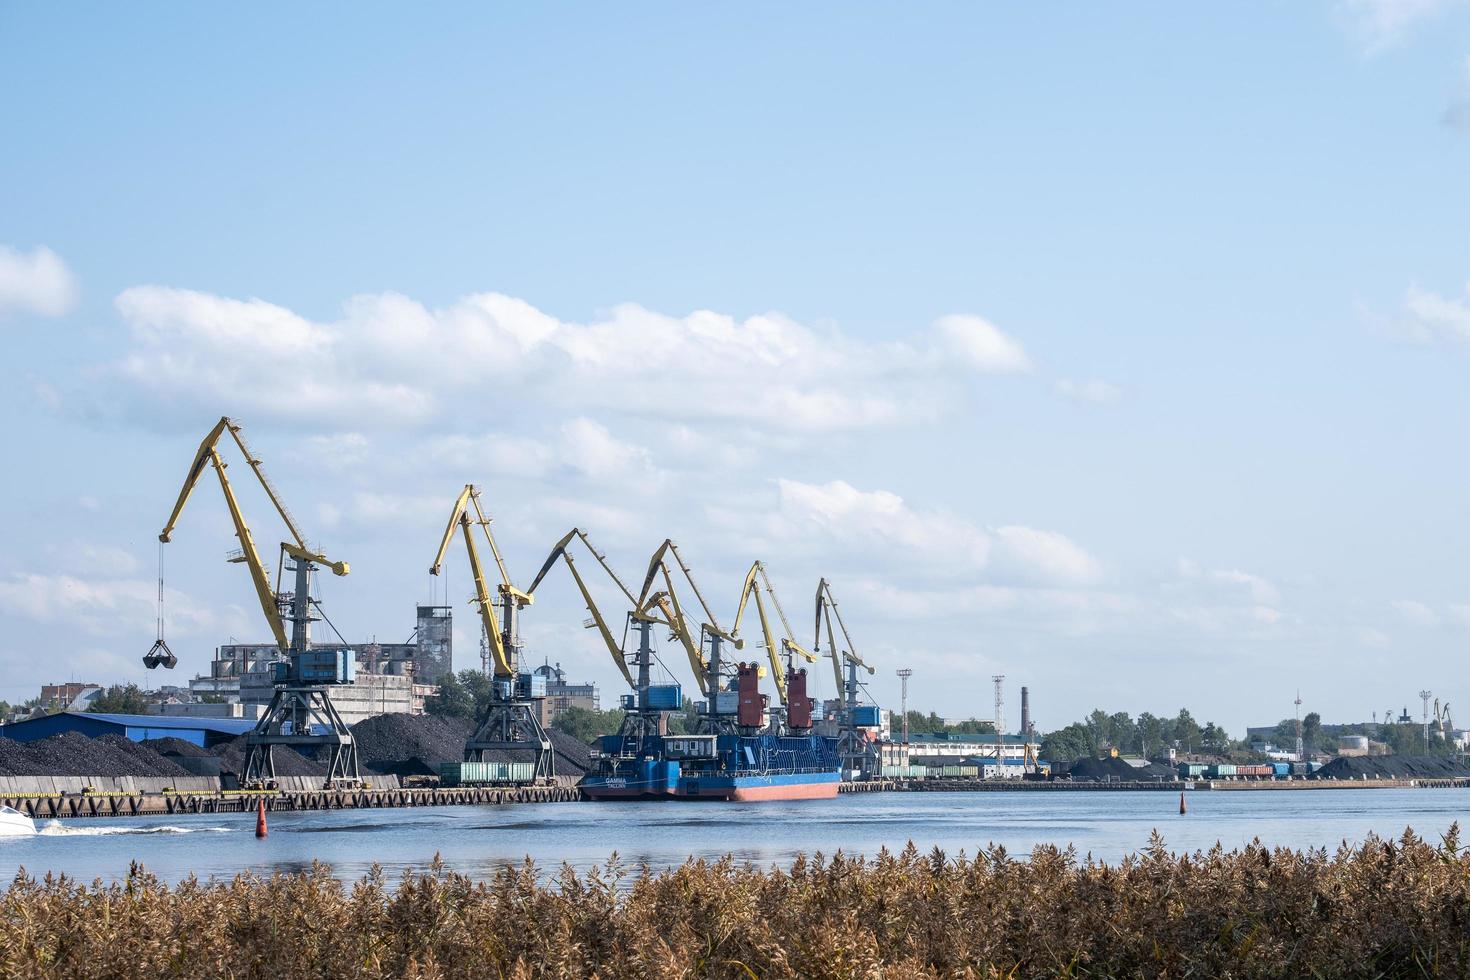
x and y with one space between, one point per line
390 359
1092 391
35 282
99 605
1431 317
1043 555
1415 613
879 519
1215 599
980 344
892 534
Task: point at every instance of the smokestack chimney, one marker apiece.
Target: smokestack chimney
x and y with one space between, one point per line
1025 713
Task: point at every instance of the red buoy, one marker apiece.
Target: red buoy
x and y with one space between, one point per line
260 830
1183 808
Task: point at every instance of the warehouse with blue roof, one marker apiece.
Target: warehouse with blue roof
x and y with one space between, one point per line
204 732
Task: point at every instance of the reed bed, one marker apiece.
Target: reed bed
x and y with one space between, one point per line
1381 909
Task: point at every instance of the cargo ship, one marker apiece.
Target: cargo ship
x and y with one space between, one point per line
739 760
714 767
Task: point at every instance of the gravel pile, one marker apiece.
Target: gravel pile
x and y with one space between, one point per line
1393 767
1116 770
74 754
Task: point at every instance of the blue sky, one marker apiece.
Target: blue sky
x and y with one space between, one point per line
1123 352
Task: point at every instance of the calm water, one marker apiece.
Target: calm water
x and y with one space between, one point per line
477 840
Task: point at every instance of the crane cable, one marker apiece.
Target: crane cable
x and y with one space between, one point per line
160 592
159 654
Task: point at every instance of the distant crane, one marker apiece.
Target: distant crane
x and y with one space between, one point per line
301 713
856 750
796 703
512 720
1424 696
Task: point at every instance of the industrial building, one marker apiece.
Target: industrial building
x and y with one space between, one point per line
561 695
391 678
925 748
204 732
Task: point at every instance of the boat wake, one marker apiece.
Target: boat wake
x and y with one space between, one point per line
55 828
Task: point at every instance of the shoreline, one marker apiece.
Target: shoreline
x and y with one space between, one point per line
70 805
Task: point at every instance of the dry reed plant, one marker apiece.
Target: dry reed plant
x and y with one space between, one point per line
1382 909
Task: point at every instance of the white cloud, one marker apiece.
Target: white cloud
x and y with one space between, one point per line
1043 555
1093 391
1215 600
100 606
1380 24
981 344
590 448
391 360
878 519
1261 591
882 530
334 453
1433 317
35 282
1415 613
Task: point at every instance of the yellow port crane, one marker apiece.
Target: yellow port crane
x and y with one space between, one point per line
501 637
663 606
269 596
755 580
614 648
511 721
301 712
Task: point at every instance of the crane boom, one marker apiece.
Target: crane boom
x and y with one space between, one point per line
826 609
203 456
614 648
459 518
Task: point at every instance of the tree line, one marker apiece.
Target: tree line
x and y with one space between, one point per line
1148 735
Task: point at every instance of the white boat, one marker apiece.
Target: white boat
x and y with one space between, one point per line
13 823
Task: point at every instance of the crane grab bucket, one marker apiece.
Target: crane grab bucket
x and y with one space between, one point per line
159 655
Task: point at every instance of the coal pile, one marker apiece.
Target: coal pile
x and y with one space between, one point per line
1116 770
193 759
1393 767
176 748
415 745
410 745
572 754
288 761
74 754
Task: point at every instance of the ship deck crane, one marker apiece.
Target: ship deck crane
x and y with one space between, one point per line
856 751
644 719
511 721
798 715
663 606
301 713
